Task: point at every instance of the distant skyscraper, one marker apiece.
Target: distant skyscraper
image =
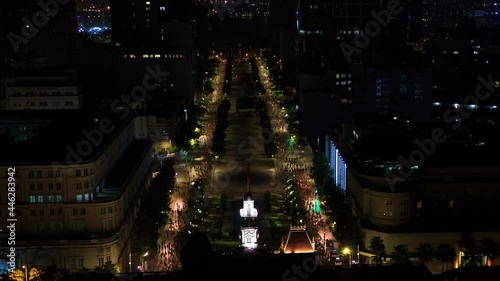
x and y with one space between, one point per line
325 26
138 24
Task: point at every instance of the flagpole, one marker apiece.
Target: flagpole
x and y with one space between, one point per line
248 178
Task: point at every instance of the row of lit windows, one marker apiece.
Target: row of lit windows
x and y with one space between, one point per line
57 185
146 56
310 32
84 197
39 199
343 76
44 103
401 214
451 204
57 93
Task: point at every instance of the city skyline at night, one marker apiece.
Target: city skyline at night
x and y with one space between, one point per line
249 139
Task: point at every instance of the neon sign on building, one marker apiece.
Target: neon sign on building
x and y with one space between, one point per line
338 167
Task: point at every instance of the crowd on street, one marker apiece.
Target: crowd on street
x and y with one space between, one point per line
187 171
292 160
294 163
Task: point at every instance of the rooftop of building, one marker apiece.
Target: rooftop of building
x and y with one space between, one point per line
383 146
386 141
60 142
124 167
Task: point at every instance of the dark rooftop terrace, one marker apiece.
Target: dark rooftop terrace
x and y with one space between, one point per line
465 147
125 165
59 141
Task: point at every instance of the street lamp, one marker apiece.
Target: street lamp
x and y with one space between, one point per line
346 252
144 268
25 272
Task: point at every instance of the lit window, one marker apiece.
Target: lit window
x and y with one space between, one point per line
32 199
419 204
148 3
145 56
450 204
162 9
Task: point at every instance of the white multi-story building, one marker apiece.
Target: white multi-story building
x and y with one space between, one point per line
40 93
411 190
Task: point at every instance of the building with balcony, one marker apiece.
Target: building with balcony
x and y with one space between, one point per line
78 187
410 189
